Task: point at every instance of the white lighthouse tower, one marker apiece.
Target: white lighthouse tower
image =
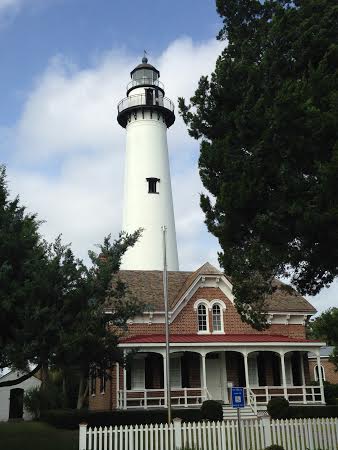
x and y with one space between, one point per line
146 114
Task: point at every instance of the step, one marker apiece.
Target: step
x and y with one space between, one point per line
231 413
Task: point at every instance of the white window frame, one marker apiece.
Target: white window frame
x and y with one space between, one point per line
179 384
137 385
253 370
222 306
316 372
288 370
207 308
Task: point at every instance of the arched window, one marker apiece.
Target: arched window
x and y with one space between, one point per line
317 375
217 323
202 317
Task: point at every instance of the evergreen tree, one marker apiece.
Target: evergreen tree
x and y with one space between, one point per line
268 120
56 312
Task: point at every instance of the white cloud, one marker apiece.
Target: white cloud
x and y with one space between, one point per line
4 4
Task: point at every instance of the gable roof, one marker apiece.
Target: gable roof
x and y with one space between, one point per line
147 287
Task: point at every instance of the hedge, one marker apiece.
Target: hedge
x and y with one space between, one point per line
310 412
70 418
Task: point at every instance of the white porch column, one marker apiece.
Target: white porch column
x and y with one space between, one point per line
282 360
247 380
302 376
320 378
124 383
117 368
204 374
165 379
246 370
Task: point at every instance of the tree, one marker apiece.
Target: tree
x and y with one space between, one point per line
22 255
53 307
89 345
268 120
325 327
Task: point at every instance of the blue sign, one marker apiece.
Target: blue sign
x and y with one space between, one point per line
237 395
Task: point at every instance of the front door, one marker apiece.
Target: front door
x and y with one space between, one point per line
214 376
16 404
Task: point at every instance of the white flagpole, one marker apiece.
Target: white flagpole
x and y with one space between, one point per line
166 313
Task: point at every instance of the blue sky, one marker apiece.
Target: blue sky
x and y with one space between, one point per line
64 67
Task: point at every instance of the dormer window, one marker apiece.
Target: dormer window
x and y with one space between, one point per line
152 185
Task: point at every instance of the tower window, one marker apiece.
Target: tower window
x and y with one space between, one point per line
152 185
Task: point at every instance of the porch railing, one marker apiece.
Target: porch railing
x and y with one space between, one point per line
156 398
251 400
294 394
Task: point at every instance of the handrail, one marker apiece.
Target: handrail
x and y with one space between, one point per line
144 100
145 81
251 399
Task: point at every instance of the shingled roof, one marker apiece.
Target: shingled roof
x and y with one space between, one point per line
147 286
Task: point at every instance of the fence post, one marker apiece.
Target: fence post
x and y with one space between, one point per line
266 422
83 436
177 433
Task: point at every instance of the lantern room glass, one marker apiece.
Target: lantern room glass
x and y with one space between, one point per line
145 76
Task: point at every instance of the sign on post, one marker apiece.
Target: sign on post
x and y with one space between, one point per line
238 402
237 395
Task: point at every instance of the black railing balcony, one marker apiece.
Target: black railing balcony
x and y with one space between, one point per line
144 81
143 101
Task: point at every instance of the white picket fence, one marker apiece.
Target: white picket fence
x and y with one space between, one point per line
293 434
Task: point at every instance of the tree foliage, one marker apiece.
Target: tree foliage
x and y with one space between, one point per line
325 327
268 120
53 307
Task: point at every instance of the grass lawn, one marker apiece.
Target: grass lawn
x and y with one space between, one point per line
36 436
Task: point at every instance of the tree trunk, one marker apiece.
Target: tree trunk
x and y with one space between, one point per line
83 392
44 375
20 379
64 391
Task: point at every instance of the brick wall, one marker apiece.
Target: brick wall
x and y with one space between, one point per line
186 321
330 374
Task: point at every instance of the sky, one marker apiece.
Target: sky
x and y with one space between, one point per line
64 66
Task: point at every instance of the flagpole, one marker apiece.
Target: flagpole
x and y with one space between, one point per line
166 314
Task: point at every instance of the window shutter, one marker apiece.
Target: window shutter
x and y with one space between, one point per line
137 374
253 372
175 372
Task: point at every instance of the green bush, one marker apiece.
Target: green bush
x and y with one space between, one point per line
31 401
38 399
71 418
330 393
277 407
274 447
212 410
310 412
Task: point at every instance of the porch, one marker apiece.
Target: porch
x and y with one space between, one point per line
201 373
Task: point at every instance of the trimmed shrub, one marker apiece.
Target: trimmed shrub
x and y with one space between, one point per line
71 418
330 393
212 410
310 412
277 407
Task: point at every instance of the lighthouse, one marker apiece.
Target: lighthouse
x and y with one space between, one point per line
146 114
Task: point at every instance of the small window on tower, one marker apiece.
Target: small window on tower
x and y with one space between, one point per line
152 185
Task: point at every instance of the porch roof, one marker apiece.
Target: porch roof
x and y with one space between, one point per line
215 338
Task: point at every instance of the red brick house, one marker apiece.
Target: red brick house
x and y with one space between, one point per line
211 348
